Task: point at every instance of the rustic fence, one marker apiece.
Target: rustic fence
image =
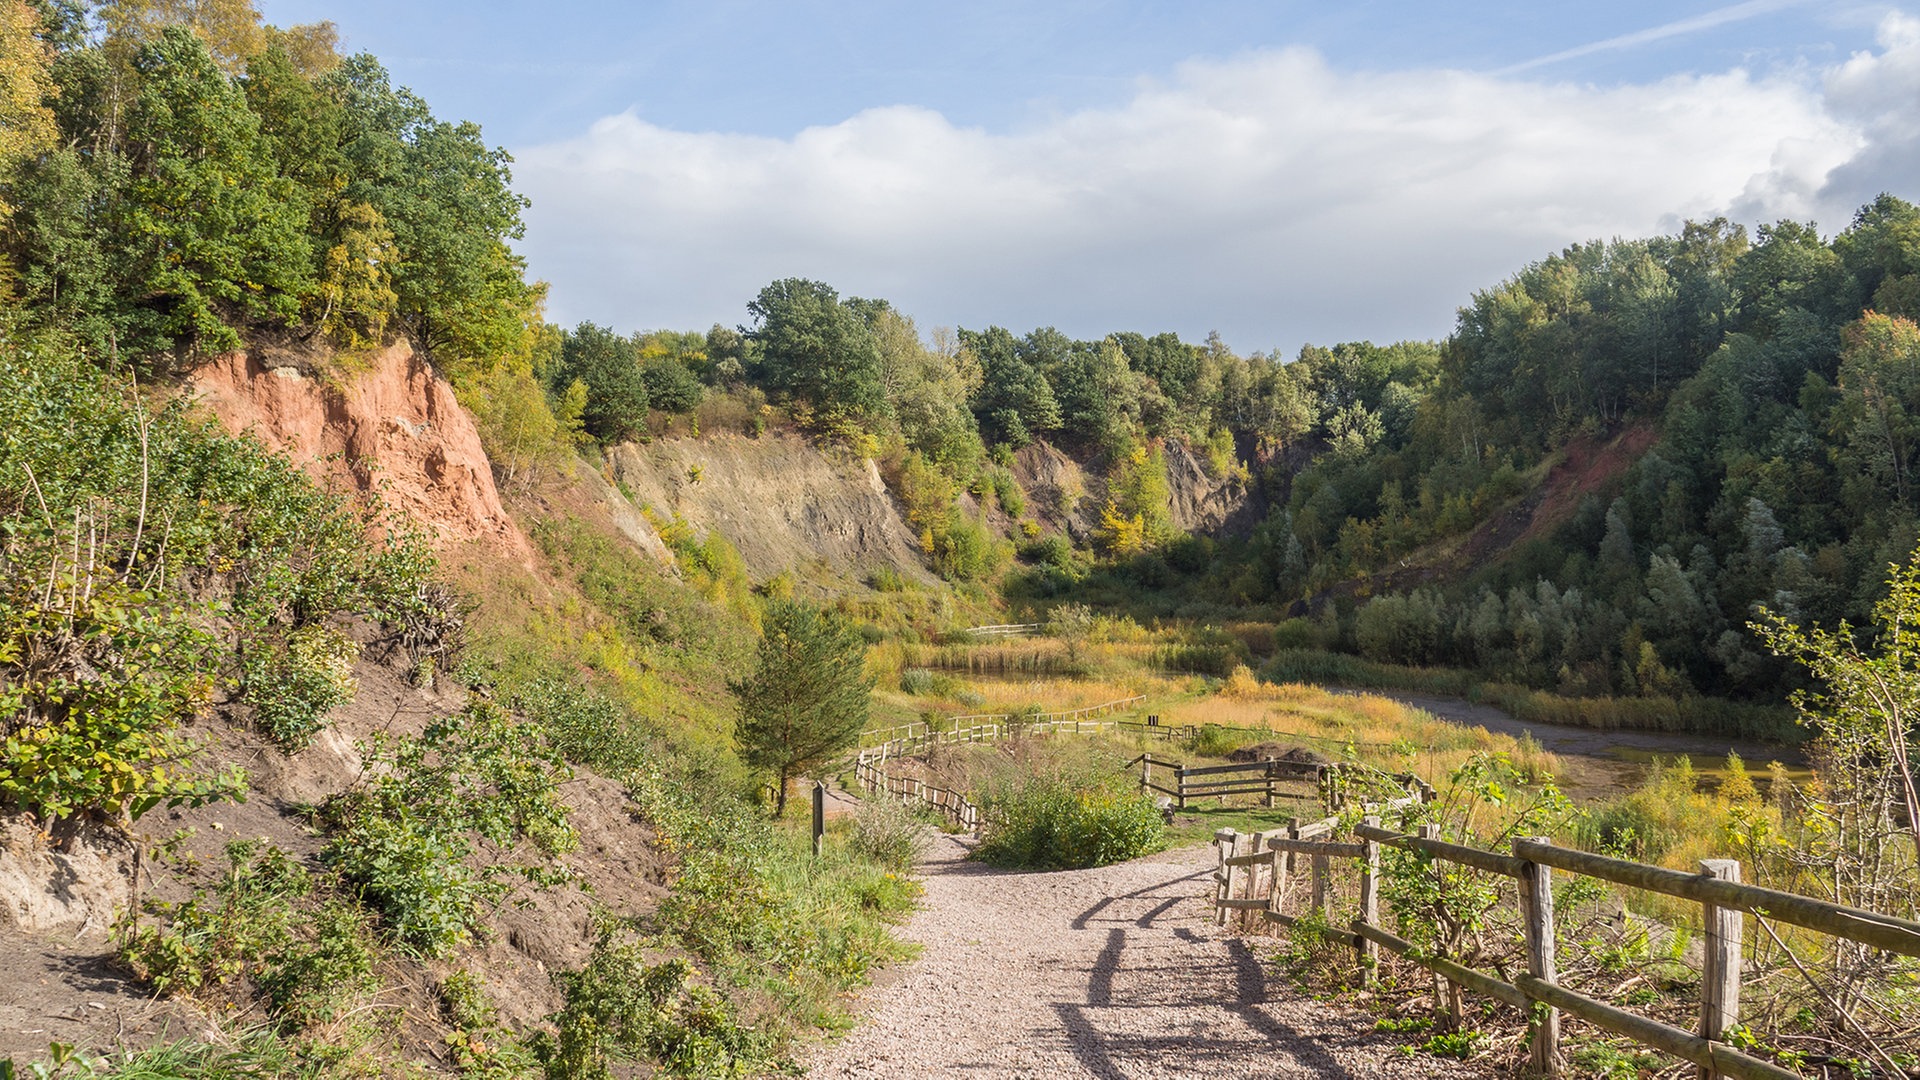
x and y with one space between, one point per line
1252 883
1261 778
879 746
1005 630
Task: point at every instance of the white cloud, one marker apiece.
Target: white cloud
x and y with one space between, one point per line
1268 196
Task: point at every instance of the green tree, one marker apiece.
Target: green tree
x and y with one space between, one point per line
447 199
609 366
817 351
806 701
205 224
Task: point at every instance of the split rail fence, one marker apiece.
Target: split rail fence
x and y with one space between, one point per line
1261 778
1251 883
907 739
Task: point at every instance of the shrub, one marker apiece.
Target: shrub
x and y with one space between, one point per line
1045 824
257 923
294 683
887 834
104 655
403 837
619 1008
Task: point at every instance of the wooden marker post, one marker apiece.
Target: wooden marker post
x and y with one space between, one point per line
1370 907
1536 911
819 815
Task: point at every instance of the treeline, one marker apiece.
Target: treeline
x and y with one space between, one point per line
1779 383
177 177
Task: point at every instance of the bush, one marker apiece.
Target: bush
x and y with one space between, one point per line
258 923
404 837
293 684
887 834
1046 824
622 1009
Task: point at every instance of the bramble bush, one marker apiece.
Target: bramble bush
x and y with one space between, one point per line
406 836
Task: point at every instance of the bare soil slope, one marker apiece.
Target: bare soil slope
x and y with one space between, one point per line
778 499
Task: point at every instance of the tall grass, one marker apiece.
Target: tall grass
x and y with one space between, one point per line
1689 715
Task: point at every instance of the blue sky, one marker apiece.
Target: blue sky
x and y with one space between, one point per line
1281 172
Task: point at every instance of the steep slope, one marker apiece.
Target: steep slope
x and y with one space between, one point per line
780 500
394 428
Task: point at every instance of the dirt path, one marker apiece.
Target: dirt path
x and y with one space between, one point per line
1117 972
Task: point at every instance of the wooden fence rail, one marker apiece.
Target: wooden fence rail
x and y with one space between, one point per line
870 761
1261 872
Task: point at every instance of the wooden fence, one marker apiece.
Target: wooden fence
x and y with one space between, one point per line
1252 883
1005 630
906 739
952 805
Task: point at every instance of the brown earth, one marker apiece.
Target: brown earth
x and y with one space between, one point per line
394 428
781 501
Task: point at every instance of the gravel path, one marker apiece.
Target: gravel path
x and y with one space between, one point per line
1117 972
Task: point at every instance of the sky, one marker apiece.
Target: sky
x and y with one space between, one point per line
1280 172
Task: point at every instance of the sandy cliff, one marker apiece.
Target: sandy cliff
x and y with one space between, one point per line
394 428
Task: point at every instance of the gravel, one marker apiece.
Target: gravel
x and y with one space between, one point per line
1113 972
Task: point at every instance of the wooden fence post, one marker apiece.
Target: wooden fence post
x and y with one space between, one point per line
1446 996
1322 877
1370 905
1180 784
1720 978
1536 911
1223 842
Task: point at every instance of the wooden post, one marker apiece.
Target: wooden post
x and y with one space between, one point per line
1146 772
1446 996
1720 979
1536 910
1180 784
1370 906
819 814
1223 887
1322 895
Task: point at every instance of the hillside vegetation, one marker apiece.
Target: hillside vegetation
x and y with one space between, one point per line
347 792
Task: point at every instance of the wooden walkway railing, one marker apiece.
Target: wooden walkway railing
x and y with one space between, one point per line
1251 882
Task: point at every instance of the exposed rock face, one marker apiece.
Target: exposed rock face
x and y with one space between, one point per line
1200 503
1060 494
1067 496
779 500
395 429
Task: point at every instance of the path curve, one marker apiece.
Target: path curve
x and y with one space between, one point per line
1116 972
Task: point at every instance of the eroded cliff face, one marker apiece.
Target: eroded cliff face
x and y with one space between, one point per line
782 502
395 429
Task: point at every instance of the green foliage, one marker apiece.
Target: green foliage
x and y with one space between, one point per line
404 837
621 1009
752 903
204 219
1040 822
105 648
482 1047
806 701
261 922
671 387
294 683
817 351
886 834
608 365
